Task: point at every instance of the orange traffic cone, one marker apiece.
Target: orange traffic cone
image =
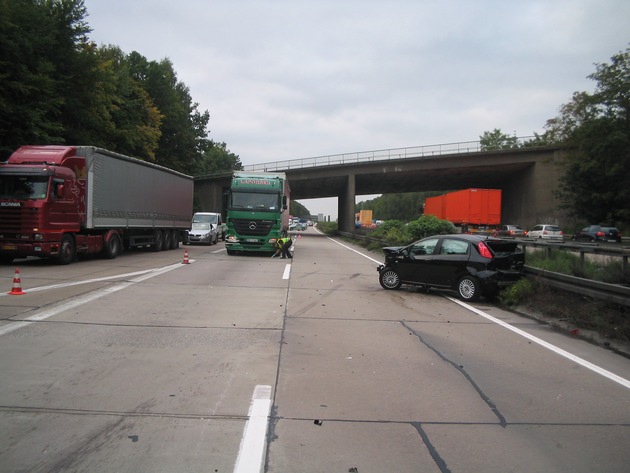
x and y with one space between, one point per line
17 284
185 257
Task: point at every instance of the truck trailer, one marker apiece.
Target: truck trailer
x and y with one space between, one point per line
257 211
62 201
471 210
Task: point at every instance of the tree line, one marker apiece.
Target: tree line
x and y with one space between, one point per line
58 87
594 128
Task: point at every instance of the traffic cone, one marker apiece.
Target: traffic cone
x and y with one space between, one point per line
17 284
185 257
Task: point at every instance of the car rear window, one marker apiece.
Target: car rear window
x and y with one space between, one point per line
502 247
553 228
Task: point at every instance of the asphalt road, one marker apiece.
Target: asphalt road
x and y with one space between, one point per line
145 364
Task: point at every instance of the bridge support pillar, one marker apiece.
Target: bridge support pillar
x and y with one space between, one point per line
346 205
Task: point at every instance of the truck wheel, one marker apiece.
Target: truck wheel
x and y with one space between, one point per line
174 240
166 242
66 250
158 240
112 247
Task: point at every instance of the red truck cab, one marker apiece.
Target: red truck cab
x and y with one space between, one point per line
42 198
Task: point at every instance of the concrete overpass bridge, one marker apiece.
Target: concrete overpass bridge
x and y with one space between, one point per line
528 178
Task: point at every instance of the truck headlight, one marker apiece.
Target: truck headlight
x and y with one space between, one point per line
231 239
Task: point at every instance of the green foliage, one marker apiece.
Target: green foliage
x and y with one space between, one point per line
398 233
329 228
515 294
217 158
298 210
496 139
569 263
596 185
30 105
428 225
57 87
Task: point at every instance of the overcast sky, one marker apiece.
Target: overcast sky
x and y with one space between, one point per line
293 79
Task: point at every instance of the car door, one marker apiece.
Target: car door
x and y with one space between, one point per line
416 266
450 262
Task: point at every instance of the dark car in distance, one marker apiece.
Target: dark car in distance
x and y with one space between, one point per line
470 265
595 233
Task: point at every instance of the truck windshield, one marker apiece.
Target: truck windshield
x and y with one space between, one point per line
23 187
254 201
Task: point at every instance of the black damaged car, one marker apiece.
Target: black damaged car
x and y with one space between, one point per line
470 265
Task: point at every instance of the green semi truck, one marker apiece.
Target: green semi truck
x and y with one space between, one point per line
257 211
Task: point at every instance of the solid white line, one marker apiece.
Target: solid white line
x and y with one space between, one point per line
287 271
78 301
250 454
105 278
587 364
357 252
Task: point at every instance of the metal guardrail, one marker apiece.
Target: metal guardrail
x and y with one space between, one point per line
599 290
376 155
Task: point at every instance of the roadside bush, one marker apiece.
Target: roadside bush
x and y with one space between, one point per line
517 293
329 228
398 233
429 225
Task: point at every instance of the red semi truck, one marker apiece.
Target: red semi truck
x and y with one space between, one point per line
60 201
471 209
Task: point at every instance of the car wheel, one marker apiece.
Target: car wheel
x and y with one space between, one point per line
389 279
468 289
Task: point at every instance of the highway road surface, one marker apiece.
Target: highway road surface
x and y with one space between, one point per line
250 364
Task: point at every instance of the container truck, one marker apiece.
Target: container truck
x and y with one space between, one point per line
62 201
472 210
257 211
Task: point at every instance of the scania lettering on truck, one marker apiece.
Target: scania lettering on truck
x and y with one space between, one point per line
60 201
257 211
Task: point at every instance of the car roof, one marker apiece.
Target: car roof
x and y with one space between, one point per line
463 236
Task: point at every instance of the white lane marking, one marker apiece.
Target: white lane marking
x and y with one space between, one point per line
587 364
251 451
104 278
357 252
287 271
78 301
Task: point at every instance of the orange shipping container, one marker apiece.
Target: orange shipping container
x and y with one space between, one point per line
471 206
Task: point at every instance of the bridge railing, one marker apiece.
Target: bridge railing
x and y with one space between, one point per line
370 156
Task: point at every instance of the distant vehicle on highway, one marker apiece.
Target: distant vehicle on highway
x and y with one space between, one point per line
298 226
511 231
597 233
545 231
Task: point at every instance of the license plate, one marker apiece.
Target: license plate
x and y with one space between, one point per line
9 247
251 240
